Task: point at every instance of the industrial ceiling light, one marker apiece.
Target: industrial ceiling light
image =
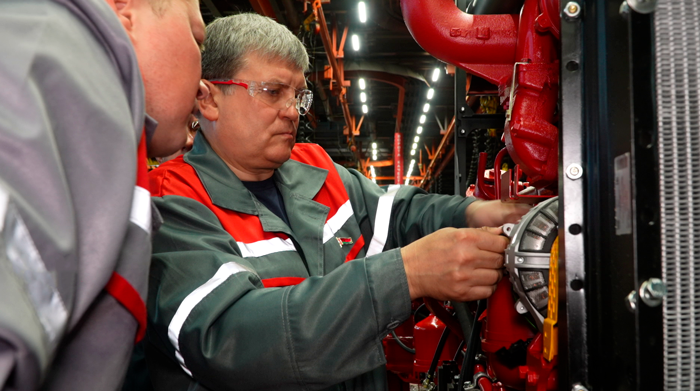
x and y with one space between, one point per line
362 10
413 152
422 119
415 145
362 83
356 46
426 107
415 139
419 130
431 92
365 109
436 73
374 146
363 97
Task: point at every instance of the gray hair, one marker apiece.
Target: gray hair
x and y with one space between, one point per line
231 39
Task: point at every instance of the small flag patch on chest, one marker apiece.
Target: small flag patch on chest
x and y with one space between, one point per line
344 241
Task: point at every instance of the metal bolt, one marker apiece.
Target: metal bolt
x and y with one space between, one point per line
519 260
572 10
574 171
631 301
463 131
652 292
462 109
642 6
579 387
520 307
624 10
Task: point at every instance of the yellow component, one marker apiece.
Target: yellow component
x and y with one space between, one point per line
551 331
152 163
308 22
489 105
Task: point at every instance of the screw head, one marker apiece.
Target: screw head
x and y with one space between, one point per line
572 9
463 131
642 6
462 109
574 171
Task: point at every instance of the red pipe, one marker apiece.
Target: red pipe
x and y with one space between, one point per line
531 137
481 44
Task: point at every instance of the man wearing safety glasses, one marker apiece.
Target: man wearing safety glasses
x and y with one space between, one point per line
277 269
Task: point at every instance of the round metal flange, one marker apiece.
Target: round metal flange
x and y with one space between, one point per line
642 6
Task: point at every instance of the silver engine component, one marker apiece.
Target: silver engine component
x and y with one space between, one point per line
527 257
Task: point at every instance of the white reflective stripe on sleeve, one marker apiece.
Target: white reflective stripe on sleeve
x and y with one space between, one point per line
141 208
39 282
381 220
335 223
4 200
183 311
265 247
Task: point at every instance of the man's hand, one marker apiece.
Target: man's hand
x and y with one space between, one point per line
494 213
455 264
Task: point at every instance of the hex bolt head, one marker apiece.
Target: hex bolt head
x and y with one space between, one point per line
652 292
572 10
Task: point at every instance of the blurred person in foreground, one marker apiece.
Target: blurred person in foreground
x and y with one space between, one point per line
277 269
89 89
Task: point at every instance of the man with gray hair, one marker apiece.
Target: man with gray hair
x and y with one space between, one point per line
277 269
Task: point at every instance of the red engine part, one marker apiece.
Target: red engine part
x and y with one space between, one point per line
539 374
503 327
398 360
427 334
517 54
531 138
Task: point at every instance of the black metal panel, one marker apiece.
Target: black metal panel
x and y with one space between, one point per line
646 196
610 347
463 145
610 260
573 323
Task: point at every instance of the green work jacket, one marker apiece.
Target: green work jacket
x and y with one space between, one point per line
220 316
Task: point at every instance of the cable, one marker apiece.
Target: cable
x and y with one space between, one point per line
401 344
467 371
459 350
438 353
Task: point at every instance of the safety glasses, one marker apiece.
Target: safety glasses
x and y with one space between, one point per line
276 95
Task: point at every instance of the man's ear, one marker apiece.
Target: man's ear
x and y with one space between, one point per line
125 13
209 103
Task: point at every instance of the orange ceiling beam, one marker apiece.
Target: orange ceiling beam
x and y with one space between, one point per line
429 172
